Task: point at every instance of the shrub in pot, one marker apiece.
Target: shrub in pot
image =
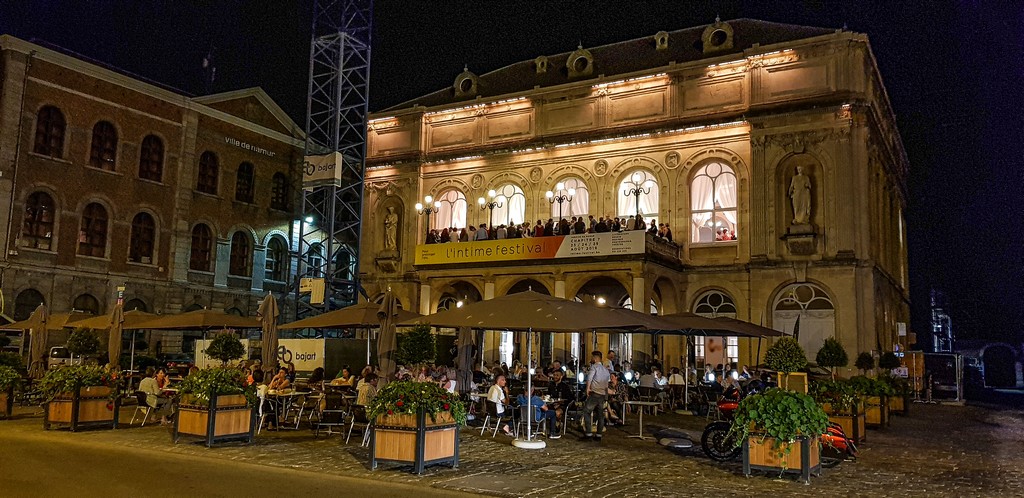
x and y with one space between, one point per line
865 362
415 423
416 347
9 380
843 406
832 355
225 347
79 396
901 391
875 394
216 405
772 424
785 356
83 341
889 361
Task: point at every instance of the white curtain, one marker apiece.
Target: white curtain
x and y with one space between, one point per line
702 202
452 212
648 202
513 206
725 194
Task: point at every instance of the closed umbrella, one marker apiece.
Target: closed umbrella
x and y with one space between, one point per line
387 342
465 359
114 339
268 314
37 351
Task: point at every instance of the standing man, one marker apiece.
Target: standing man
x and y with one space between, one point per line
597 395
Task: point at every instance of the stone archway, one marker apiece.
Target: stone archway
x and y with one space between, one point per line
606 291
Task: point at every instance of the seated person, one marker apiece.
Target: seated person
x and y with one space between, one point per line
732 388
499 396
560 390
267 407
647 380
618 394
367 389
162 380
344 378
280 381
154 396
316 380
542 411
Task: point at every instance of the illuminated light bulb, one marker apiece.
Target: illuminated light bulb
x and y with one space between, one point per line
419 207
437 204
309 219
572 192
481 201
559 186
580 377
491 193
549 194
601 301
428 199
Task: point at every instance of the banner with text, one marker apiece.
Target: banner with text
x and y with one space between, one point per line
567 246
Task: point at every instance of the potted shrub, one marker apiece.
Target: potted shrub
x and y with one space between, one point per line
843 406
786 357
832 355
875 395
416 347
780 430
225 347
216 405
415 423
82 342
9 379
865 362
899 400
79 396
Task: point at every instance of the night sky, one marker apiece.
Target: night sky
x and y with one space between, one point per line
953 71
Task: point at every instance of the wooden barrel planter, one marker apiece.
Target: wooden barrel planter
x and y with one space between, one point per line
761 453
7 402
876 411
87 408
415 439
852 421
796 381
228 417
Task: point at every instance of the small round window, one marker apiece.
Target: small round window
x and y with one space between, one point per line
718 37
580 64
466 85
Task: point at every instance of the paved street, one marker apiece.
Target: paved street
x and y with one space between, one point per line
936 451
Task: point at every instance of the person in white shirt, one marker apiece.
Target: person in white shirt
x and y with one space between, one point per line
154 395
499 396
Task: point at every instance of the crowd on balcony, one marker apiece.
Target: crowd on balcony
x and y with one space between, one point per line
571 226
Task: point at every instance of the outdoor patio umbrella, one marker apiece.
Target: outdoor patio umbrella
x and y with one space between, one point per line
55 321
200 320
131 320
37 352
464 373
387 342
268 314
116 318
362 315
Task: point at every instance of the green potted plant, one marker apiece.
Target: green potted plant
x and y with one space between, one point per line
225 347
875 395
81 342
900 393
79 396
216 405
9 380
416 347
865 362
415 423
843 406
780 430
832 355
787 357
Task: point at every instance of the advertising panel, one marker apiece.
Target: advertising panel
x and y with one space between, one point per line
533 248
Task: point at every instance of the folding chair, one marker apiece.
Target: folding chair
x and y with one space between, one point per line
492 412
141 398
333 414
359 417
536 426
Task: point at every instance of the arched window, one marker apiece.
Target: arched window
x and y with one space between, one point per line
103 152
277 260
638 193
92 235
513 205
279 192
151 159
805 311
50 127
315 261
714 304
37 229
209 172
86 303
140 246
27 302
241 255
452 212
244 183
447 302
713 192
136 305
578 205
202 248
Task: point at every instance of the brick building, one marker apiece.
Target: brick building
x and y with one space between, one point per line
108 180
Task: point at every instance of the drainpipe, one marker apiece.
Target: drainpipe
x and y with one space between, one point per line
17 152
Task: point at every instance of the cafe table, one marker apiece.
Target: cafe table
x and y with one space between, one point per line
641 404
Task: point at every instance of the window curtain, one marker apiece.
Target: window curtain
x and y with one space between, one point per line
725 194
452 212
701 203
648 202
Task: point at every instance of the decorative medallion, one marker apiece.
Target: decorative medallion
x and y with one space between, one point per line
600 167
672 160
477 180
535 174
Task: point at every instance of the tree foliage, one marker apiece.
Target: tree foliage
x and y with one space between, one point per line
832 355
83 341
889 361
225 347
865 362
786 356
416 347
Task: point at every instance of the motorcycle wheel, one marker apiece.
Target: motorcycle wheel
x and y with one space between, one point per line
718 444
831 457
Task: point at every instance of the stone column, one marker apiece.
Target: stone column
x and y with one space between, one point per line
560 288
424 299
222 263
488 290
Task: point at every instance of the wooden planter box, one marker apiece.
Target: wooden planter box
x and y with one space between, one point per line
88 408
7 402
804 456
797 381
415 439
227 418
853 423
898 405
876 410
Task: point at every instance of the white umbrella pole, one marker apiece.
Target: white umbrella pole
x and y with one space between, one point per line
131 367
369 332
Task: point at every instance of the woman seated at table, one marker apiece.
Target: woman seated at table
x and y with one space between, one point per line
618 394
316 380
267 407
542 411
367 389
162 380
280 381
447 381
155 397
344 378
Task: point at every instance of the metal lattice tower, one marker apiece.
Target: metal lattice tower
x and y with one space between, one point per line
336 114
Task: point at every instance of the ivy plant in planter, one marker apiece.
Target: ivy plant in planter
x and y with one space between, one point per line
876 394
415 423
779 420
197 388
217 406
9 380
13 360
840 395
832 355
409 397
786 356
79 396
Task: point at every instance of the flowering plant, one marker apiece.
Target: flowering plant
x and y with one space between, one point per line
68 379
410 397
199 386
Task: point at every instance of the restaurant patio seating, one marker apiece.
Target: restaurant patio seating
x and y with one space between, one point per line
536 427
492 412
333 414
142 406
266 410
358 417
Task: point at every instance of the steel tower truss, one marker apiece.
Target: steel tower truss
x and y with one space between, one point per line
336 115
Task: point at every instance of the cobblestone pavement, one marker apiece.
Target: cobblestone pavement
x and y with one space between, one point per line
935 451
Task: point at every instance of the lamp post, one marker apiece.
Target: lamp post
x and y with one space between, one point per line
560 197
496 201
637 180
428 207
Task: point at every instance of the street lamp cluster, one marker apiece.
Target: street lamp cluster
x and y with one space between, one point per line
428 207
637 181
496 201
560 195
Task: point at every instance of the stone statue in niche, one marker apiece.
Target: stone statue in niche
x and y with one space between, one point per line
391 230
800 194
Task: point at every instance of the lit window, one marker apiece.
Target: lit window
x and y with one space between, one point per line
713 194
452 212
513 205
277 260
639 193
580 203
37 229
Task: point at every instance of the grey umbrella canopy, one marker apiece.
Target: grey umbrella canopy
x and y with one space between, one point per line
268 314
116 318
387 342
530 311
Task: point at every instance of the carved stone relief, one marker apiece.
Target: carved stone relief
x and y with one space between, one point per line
600 167
536 174
672 160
